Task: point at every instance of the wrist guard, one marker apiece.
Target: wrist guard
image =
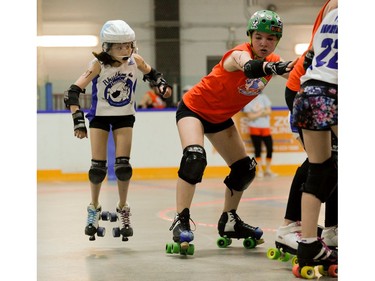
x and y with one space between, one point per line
308 59
156 79
278 68
71 96
79 121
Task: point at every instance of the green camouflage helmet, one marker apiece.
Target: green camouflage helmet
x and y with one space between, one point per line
265 21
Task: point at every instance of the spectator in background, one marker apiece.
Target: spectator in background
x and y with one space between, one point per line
152 100
258 112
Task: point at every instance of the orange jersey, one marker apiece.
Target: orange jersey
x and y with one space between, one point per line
221 94
293 82
157 102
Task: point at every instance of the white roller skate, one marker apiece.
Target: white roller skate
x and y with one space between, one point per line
330 236
286 243
123 216
92 226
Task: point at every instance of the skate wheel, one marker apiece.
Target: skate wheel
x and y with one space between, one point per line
116 232
190 250
322 270
249 243
105 216
273 254
333 270
175 248
294 260
308 272
295 271
112 217
100 231
284 257
222 242
168 248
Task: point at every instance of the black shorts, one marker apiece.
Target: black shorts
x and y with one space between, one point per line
116 122
209 128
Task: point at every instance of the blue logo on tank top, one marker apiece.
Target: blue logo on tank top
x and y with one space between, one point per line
119 89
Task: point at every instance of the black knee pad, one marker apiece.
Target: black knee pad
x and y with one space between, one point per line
242 174
98 171
123 169
193 164
321 180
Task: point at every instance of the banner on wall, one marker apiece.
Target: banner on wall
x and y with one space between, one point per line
283 139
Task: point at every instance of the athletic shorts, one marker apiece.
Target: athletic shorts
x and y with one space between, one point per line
315 107
262 132
114 122
209 128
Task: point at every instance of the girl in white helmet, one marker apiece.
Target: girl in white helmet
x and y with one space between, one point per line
114 79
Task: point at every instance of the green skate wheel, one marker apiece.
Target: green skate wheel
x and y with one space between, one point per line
190 250
249 243
168 248
273 253
294 260
229 241
284 257
308 272
175 248
222 242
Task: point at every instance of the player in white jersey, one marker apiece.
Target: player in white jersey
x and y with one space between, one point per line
113 76
315 111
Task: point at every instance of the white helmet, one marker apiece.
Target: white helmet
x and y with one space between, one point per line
116 31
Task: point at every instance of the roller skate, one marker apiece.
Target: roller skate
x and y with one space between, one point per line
330 237
231 226
315 254
122 214
286 243
93 217
182 235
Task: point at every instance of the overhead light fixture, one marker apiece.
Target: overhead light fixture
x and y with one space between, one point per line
300 48
67 41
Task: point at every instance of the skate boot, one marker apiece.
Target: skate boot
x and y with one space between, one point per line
231 226
182 235
125 230
315 254
92 226
286 243
330 237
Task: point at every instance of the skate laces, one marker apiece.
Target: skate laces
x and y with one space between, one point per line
327 254
125 214
182 221
234 217
91 219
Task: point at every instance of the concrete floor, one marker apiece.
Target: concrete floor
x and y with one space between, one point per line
65 253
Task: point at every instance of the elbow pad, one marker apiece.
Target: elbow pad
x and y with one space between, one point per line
254 69
71 97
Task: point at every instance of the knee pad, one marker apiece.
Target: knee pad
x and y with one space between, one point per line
241 175
98 171
321 180
123 169
193 164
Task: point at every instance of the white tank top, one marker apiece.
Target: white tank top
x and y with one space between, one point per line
113 90
324 66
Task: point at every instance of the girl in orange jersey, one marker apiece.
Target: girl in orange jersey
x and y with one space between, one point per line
207 110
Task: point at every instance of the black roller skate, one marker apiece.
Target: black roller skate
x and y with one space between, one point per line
92 226
231 226
123 216
182 235
315 254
